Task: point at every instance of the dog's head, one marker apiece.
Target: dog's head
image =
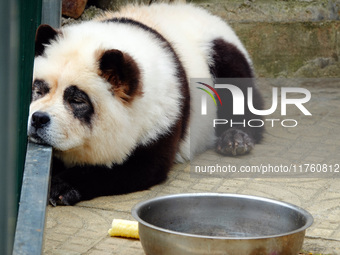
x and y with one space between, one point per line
82 98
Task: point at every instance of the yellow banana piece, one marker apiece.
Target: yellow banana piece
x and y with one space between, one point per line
124 228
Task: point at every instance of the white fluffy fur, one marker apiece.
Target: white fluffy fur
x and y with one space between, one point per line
117 129
190 30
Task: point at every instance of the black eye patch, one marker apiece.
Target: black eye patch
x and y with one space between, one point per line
79 103
39 89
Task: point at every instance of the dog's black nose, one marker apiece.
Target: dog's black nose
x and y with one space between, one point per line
40 119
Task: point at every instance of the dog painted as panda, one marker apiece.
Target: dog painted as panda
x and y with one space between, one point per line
112 97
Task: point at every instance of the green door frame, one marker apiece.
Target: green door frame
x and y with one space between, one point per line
18 22
9 55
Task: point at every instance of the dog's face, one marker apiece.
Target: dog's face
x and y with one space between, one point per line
81 99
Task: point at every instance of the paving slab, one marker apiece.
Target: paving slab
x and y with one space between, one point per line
82 229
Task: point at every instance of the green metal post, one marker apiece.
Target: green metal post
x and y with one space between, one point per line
30 16
35 185
9 48
18 22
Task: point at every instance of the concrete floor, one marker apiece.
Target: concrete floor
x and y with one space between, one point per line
82 229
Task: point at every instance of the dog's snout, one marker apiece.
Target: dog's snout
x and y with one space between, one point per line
40 119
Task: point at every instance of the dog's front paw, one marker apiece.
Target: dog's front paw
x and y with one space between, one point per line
62 193
234 142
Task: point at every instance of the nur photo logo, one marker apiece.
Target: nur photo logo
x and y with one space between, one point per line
280 98
204 97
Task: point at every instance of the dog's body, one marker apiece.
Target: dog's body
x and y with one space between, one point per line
112 97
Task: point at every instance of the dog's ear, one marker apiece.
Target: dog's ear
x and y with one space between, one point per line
122 72
44 35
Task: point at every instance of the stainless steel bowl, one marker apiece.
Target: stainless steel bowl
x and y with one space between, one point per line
229 224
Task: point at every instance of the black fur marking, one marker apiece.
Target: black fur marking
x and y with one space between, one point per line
44 35
39 89
147 166
113 59
122 72
229 62
79 103
181 74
